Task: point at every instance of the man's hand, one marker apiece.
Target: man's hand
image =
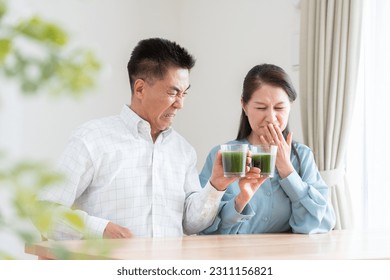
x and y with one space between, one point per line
116 231
217 179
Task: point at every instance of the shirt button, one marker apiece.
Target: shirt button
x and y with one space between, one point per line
269 193
265 219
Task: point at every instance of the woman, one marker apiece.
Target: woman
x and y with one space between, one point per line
296 198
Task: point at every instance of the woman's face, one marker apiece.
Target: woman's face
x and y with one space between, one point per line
268 104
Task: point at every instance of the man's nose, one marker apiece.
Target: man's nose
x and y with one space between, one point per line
179 102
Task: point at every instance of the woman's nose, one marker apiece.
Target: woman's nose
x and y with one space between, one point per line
271 116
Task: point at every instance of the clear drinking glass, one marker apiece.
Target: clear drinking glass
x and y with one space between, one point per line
234 159
264 157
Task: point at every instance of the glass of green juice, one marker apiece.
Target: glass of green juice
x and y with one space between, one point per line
234 159
264 157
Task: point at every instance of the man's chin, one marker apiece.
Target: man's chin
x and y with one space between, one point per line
166 127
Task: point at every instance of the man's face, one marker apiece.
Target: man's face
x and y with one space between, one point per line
161 99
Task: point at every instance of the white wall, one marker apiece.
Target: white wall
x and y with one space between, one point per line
226 37
111 29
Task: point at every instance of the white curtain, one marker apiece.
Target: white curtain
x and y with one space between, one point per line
329 60
369 149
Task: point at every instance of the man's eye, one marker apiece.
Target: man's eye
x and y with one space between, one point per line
279 108
261 108
174 94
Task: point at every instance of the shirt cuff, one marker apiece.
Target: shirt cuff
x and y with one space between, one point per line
294 187
230 216
95 227
212 193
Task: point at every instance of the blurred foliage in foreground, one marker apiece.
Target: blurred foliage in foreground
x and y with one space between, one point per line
20 183
35 55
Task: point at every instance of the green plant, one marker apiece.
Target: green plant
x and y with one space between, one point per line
35 55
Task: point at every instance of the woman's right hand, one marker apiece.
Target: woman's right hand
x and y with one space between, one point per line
248 187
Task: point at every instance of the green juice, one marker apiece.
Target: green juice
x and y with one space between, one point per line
234 163
265 162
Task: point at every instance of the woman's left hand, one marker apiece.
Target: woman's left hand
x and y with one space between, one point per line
248 187
283 162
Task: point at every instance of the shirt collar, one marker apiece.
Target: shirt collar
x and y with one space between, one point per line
136 124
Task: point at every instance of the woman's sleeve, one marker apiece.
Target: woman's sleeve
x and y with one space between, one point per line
312 211
227 221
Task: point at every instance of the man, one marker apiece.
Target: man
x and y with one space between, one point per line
132 174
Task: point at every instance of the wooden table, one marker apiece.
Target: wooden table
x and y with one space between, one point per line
338 244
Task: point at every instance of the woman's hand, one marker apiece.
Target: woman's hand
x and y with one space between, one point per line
248 187
275 137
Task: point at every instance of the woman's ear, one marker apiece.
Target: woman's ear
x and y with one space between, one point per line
243 105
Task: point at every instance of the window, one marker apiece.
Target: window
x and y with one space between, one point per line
368 158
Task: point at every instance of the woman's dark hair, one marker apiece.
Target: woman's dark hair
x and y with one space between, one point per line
258 76
152 57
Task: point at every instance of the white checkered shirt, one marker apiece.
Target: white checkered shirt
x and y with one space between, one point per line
116 173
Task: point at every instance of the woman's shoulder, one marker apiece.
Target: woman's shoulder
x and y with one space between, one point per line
301 147
304 151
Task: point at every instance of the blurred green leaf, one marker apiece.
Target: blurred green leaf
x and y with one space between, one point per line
62 253
5 48
49 179
43 219
5 256
51 67
28 167
40 30
3 8
3 176
74 219
26 235
23 202
77 72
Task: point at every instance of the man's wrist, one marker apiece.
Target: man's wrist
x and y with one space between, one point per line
221 189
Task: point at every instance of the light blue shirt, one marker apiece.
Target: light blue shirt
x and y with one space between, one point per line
296 203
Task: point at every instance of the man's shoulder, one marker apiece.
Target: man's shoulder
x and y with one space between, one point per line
97 127
181 140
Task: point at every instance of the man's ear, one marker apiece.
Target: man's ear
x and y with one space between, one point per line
139 86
